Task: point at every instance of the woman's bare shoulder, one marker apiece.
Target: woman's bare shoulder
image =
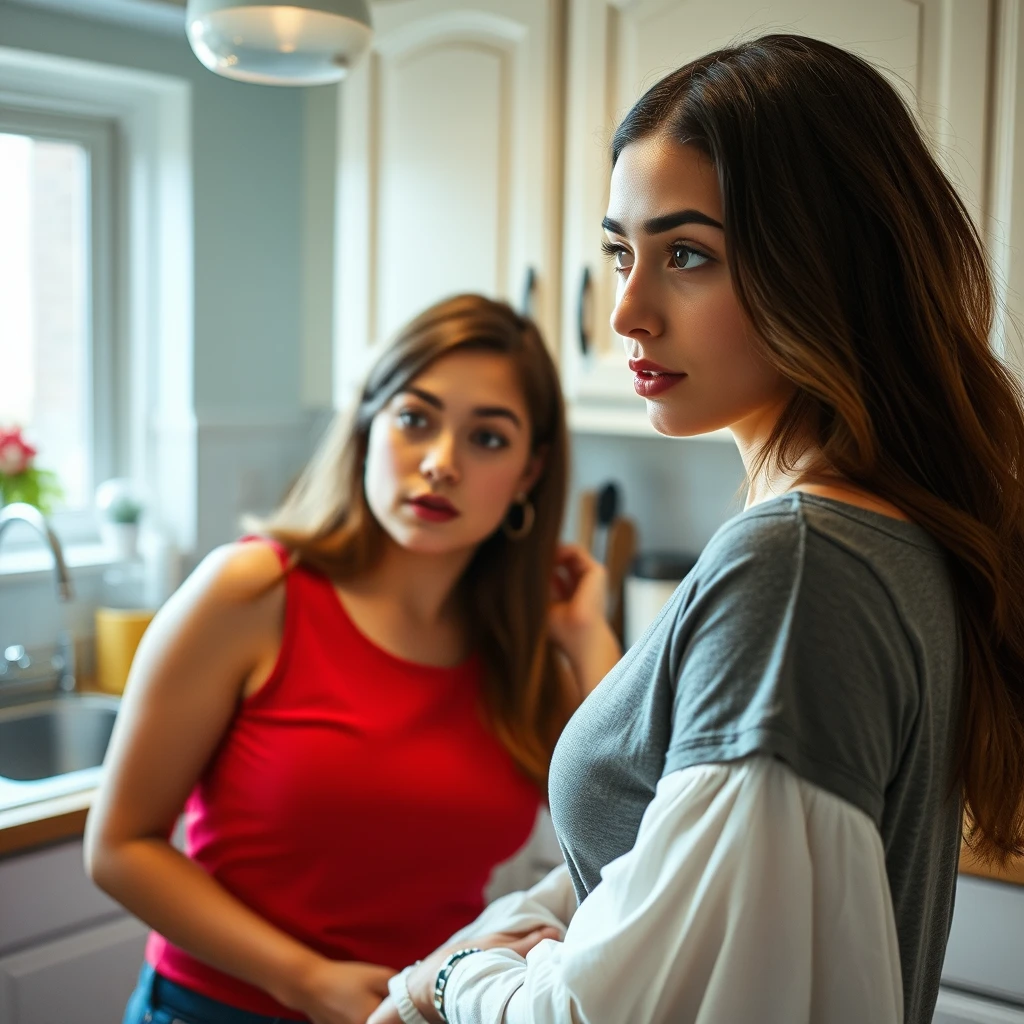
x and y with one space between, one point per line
237 578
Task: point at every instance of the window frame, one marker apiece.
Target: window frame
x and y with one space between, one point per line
107 355
156 276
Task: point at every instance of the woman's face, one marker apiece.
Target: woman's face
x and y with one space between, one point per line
448 455
689 344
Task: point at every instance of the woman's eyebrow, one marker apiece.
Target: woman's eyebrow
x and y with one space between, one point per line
425 396
483 410
498 410
668 221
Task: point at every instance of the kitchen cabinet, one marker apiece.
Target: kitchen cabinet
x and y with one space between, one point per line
473 146
981 977
448 168
67 951
962 1008
983 954
85 977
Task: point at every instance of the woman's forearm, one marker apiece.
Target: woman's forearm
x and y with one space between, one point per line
178 899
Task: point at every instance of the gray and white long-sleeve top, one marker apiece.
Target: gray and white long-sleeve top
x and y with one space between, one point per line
755 806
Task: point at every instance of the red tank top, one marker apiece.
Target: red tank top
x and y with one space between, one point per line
358 801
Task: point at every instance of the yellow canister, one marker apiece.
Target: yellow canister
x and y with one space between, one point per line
118 632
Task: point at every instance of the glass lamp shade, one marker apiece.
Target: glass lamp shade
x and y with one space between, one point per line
267 42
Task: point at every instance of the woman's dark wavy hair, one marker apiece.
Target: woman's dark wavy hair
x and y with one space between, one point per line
867 285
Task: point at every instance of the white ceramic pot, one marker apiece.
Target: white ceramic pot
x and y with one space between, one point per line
121 539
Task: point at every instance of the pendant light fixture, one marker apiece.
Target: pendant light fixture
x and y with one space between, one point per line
273 43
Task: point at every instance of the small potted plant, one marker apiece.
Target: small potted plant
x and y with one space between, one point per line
20 478
120 511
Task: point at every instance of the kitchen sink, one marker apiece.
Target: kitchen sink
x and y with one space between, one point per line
53 746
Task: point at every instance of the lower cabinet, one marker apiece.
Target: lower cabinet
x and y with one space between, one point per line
960 1008
85 978
68 954
982 981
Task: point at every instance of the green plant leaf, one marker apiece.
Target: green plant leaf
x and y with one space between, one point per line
37 487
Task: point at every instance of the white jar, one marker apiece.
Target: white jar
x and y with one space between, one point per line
121 539
652 581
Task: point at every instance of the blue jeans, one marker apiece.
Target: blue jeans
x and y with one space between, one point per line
159 1001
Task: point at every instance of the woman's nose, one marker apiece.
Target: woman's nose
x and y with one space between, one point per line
636 313
439 462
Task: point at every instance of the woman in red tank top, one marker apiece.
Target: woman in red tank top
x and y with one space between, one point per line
394 657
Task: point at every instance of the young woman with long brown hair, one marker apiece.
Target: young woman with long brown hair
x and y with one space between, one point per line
761 806
356 709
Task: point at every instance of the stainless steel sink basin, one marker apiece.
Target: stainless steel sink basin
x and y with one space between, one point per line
53 746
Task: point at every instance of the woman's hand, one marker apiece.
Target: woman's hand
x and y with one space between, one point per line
422 977
577 618
334 992
579 596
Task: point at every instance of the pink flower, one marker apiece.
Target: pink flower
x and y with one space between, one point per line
16 454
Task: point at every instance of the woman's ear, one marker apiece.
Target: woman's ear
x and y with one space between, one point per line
534 470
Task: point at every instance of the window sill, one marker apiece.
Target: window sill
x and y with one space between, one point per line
30 563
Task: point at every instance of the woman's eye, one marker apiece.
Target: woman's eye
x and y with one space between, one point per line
685 258
411 419
490 439
621 257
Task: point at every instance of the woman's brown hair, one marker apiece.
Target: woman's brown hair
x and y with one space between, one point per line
866 282
326 523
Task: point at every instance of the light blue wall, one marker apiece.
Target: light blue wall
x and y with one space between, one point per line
678 491
247 153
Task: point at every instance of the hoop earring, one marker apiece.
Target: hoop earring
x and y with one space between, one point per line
526 511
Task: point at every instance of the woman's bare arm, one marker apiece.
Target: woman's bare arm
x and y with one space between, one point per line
214 641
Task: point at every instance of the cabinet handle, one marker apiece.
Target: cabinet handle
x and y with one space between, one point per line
529 287
581 312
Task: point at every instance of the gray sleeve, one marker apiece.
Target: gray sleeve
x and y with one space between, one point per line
790 646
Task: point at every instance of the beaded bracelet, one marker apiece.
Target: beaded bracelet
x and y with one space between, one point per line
442 979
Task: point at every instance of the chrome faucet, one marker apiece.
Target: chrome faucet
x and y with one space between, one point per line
20 511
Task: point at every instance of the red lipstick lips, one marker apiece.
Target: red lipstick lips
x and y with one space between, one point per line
433 508
650 379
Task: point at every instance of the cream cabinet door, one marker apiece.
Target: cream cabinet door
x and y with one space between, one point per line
1005 205
82 978
448 163
938 53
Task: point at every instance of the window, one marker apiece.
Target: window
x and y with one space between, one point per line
57 344
135 129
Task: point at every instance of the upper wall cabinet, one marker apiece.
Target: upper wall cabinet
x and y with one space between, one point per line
449 176
937 51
